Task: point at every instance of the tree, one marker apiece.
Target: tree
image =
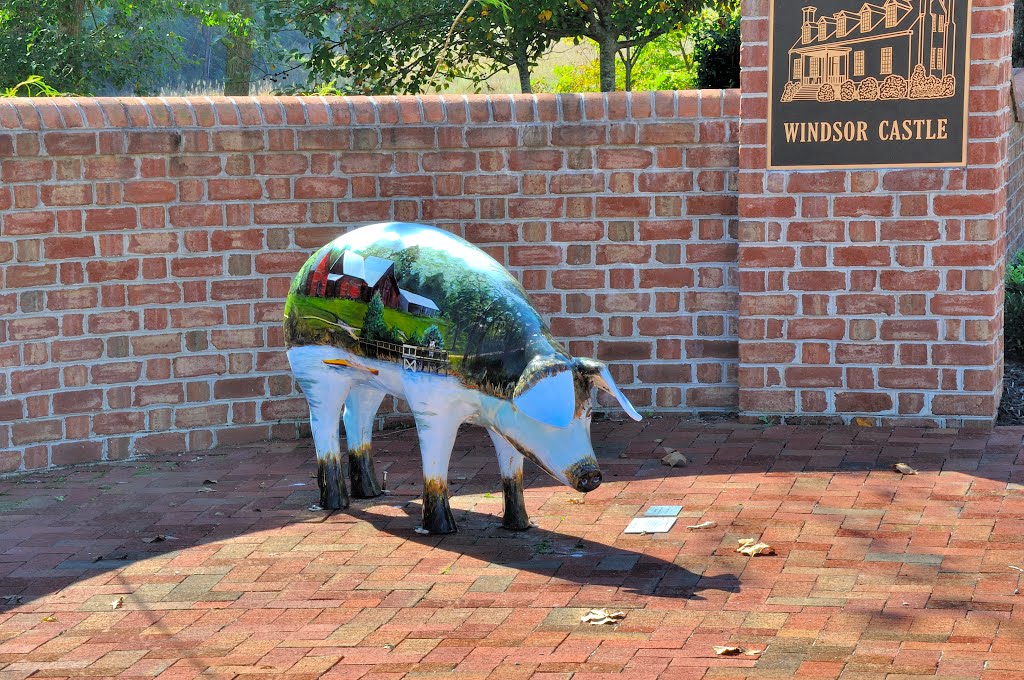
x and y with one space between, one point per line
374 327
395 46
511 36
623 26
238 64
97 46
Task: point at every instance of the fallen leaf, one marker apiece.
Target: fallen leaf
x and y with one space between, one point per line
421 530
904 469
263 485
49 619
600 617
117 604
205 489
314 508
60 499
753 548
209 481
703 525
674 459
575 501
159 538
728 650
658 441
863 422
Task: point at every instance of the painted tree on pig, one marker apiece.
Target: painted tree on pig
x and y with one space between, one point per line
415 312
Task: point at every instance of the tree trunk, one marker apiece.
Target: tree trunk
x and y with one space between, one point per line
523 66
608 49
238 64
71 23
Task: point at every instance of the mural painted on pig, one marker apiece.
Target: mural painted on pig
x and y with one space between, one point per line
415 312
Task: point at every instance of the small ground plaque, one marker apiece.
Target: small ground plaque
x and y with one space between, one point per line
663 511
650 525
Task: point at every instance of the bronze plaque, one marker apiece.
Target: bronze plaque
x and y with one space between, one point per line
864 84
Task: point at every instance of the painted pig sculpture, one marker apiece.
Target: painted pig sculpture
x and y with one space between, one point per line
412 311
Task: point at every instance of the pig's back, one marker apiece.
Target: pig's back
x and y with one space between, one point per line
422 297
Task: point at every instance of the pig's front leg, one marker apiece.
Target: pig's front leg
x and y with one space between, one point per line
360 409
438 417
510 462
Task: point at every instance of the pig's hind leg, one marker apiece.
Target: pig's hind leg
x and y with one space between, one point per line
325 388
360 410
510 462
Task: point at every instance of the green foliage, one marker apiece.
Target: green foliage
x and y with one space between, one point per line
395 46
716 51
96 46
33 86
432 335
1013 307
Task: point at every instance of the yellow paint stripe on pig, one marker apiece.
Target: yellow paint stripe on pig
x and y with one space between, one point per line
349 364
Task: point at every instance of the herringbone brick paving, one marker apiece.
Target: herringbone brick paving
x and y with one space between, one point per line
877 576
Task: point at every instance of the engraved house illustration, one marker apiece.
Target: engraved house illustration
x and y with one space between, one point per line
900 49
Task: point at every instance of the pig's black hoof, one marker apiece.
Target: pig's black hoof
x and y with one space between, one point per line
437 516
362 474
329 477
515 517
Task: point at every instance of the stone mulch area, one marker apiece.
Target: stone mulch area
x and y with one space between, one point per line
1011 406
150 569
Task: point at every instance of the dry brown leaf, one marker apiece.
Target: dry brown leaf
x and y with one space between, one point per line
117 604
209 481
674 459
752 547
600 617
863 422
733 650
576 501
904 469
49 619
703 525
159 538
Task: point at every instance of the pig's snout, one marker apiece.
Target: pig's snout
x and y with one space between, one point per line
588 478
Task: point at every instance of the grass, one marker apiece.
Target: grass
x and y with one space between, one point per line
562 53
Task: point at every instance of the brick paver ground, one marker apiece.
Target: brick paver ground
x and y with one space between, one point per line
876 575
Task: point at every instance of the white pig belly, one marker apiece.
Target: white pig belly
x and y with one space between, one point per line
308 365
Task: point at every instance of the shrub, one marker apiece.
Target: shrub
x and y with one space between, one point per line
848 92
826 93
868 90
716 51
893 87
1013 307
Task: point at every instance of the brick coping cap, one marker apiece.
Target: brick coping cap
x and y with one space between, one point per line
63 113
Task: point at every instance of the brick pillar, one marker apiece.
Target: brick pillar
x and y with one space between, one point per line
875 293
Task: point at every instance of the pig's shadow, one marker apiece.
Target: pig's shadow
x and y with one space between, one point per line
547 553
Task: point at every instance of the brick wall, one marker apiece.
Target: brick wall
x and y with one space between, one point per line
876 293
147 246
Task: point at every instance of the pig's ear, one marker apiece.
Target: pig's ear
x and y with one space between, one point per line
602 377
546 392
